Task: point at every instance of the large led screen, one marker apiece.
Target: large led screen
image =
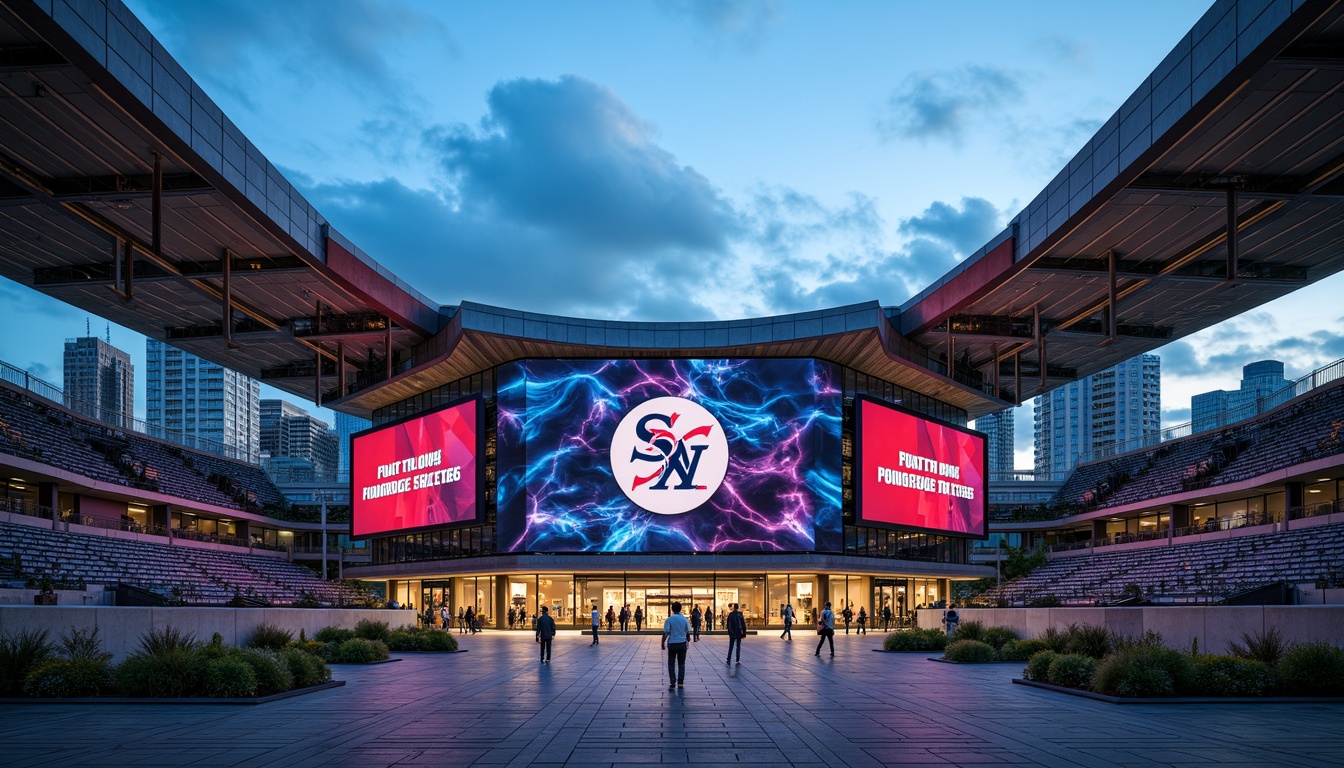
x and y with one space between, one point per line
668 456
917 473
417 473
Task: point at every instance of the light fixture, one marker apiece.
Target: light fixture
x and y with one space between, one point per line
1312 490
1323 479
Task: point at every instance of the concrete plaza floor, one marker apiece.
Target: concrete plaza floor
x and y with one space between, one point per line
609 706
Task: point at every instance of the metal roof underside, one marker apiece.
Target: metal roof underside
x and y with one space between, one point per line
306 309
1266 142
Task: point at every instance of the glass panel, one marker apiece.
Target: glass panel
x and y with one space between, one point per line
777 595
749 592
557 593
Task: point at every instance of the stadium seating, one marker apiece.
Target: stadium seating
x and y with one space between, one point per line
33 429
185 574
1207 571
1309 428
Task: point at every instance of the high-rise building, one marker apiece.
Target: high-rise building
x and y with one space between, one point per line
1107 412
99 381
203 401
288 431
1259 380
998 427
347 425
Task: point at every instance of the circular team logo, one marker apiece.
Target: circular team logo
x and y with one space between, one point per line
669 455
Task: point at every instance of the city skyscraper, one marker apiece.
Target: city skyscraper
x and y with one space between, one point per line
202 400
347 425
99 381
290 432
998 427
1109 411
1219 408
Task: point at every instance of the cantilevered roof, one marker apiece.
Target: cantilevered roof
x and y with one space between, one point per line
125 191
1239 129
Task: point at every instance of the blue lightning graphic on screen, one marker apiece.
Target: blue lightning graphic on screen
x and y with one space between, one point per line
556 492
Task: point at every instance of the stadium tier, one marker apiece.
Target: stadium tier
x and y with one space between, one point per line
182 574
1207 571
34 428
1307 429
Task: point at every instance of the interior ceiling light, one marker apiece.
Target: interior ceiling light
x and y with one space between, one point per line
1323 480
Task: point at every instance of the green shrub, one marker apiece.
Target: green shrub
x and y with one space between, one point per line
273 675
1149 639
1267 647
170 672
969 651
270 637
333 635
1022 650
998 636
20 653
1089 640
311 647
1312 669
167 639
970 630
305 668
1145 672
229 678
1232 676
421 639
1057 640
83 644
67 678
915 640
1072 670
368 629
360 651
1038 667
215 649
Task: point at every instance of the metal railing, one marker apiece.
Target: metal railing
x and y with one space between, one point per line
1314 380
116 419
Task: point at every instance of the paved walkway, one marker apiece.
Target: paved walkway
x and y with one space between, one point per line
609 706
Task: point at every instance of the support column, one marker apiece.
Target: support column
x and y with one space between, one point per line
1180 518
1232 246
1294 497
823 592
47 496
501 600
1098 529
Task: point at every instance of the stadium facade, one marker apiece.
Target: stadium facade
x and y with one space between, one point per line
762 462
522 460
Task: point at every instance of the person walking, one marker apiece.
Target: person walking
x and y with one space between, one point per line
696 618
513 617
786 613
461 622
863 621
545 633
709 619
848 613
675 632
826 628
639 617
597 622
445 618
737 629
886 618
624 618
522 618
611 618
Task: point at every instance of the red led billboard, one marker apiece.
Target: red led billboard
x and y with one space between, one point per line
418 473
919 474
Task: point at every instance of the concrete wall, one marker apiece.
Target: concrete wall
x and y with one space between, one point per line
1214 625
120 629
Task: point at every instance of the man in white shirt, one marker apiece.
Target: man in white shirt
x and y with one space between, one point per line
597 620
676 638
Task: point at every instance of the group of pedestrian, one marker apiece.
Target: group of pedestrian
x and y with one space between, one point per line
518 618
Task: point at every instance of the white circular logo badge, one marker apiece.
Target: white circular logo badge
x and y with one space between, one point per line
669 455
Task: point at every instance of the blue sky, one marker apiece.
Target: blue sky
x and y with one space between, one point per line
679 160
